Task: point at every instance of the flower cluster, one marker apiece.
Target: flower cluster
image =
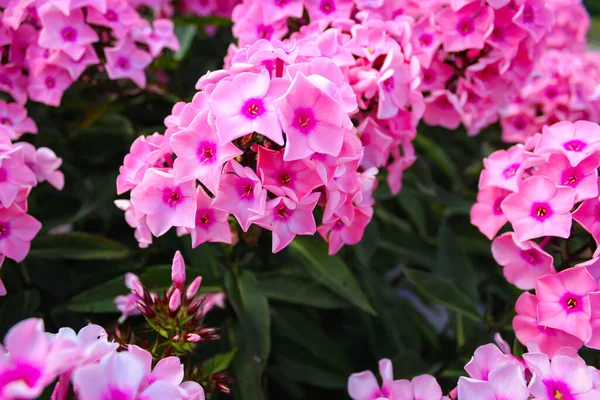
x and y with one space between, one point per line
492 375
571 25
22 167
540 188
562 88
266 140
47 45
88 364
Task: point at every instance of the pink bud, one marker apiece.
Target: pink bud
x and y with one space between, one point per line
178 270
193 287
175 301
138 288
192 338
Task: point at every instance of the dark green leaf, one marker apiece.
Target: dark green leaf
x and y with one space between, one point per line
77 246
218 363
18 306
202 21
306 372
331 271
413 205
438 155
443 291
248 383
366 248
186 35
299 290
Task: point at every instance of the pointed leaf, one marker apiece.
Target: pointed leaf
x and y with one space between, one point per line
77 246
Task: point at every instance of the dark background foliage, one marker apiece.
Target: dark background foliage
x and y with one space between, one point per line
421 288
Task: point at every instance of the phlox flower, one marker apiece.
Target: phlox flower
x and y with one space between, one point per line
466 28
145 152
126 303
47 85
67 33
126 60
119 17
15 116
165 202
212 225
162 37
575 140
376 143
278 10
535 17
338 233
44 163
588 216
583 177
364 385
504 169
17 230
539 208
443 109
395 83
563 301
74 68
328 10
486 213
485 359
420 387
506 381
14 174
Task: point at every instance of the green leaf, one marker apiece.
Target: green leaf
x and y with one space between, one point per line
186 35
252 309
299 290
413 205
17 307
443 291
218 363
366 248
438 155
408 364
77 246
331 271
306 333
306 372
201 21
454 265
248 383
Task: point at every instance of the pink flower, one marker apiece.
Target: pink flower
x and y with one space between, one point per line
74 68
523 262
127 61
588 216
67 33
119 17
277 10
14 174
145 152
245 105
338 233
17 230
15 116
48 84
13 81
466 28
313 121
583 177
328 10
104 380
241 194
485 359
575 140
44 163
527 329
504 169
126 303
287 218
506 381
564 377
563 301
442 109
421 387
487 213
395 83
212 225
162 36
165 202
286 178
376 142
364 385
199 154
539 209
535 17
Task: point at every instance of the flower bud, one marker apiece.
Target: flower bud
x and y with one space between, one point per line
138 288
175 301
192 338
194 306
193 287
146 311
178 271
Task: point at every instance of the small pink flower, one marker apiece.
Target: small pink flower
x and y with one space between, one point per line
286 178
14 174
241 194
145 152
212 225
74 68
17 230
588 216
466 28
376 142
527 329
535 17
486 213
119 17
506 381
287 218
127 61
364 385
575 140
245 105
162 37
48 84
199 154
420 387
563 301
562 378
485 359
338 233
539 209
523 262
67 33
583 177
14 115
313 121
504 169
44 163
165 202
328 10
395 83
442 109
126 303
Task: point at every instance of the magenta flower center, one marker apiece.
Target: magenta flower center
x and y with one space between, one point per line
365 138
339 224
557 390
285 178
304 120
264 31
426 39
327 6
283 213
575 145
253 108
3 175
6 121
50 82
245 188
528 14
541 211
111 15
205 218
571 177
281 3
519 123
172 196
530 256
572 302
498 34
465 26
69 34
388 84
117 394
207 152
6 81
551 92
496 208
123 63
429 76
4 229
511 171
